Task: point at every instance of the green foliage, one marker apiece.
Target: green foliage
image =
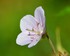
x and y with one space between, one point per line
57 13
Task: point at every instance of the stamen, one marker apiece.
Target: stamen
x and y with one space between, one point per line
30 34
30 30
32 37
38 24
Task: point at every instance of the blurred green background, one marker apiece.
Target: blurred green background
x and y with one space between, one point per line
57 13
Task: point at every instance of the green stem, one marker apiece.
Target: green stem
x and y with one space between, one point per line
51 44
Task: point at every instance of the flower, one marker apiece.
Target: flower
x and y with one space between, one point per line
32 28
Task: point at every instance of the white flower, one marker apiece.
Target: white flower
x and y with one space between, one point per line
32 28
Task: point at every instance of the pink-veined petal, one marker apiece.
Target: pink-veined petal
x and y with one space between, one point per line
35 41
39 16
23 39
27 22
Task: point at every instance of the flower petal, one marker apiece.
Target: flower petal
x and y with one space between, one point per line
35 41
23 39
27 22
39 16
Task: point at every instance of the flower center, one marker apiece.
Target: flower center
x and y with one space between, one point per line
36 32
39 32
